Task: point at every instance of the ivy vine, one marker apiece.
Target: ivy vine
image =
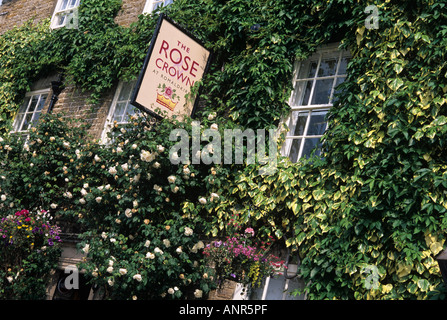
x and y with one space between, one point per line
375 201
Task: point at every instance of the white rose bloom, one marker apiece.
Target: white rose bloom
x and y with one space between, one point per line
66 144
214 126
147 243
188 231
97 158
186 170
98 199
119 150
171 291
134 146
147 156
86 248
128 213
202 200
84 192
160 148
3 197
125 167
123 271
211 116
110 269
82 201
171 179
53 206
158 250
214 196
178 250
137 277
167 243
150 255
198 293
9 279
110 282
135 203
156 165
176 189
112 170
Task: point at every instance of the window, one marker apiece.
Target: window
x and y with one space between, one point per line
279 287
30 111
64 12
121 109
151 5
315 88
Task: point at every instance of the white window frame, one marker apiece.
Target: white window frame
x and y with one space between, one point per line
59 12
110 117
151 5
30 94
296 99
265 292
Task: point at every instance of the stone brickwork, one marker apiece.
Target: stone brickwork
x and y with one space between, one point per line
16 12
225 292
130 10
74 103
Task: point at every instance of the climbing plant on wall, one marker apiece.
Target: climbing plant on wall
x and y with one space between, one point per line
368 218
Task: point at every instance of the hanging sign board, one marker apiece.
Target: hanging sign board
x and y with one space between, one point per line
176 60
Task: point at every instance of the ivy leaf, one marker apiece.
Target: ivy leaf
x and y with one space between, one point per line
395 84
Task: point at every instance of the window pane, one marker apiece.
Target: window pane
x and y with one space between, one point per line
312 69
310 145
119 109
73 3
126 91
24 105
34 101
306 96
18 122
41 102
317 123
295 150
298 123
322 91
64 5
297 96
27 123
327 67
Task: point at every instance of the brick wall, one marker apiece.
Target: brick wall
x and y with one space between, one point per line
16 12
130 10
74 103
